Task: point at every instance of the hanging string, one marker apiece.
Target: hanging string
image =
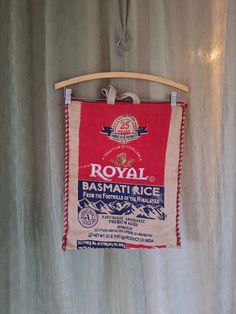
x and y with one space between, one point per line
124 40
125 17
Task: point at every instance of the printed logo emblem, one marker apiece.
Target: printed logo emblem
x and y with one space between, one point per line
121 161
124 129
88 217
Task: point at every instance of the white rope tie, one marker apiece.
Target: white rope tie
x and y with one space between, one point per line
111 97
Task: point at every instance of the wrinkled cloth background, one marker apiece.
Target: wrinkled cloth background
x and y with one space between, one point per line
42 42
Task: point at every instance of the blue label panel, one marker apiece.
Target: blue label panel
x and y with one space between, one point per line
139 201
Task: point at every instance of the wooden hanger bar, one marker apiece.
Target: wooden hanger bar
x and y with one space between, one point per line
129 75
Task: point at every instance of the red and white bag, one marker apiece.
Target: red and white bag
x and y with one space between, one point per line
122 171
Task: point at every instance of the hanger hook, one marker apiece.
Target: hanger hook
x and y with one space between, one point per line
123 40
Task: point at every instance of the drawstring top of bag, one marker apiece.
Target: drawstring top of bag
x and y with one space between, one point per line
111 96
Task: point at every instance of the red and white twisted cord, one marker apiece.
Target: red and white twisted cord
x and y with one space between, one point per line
184 107
66 203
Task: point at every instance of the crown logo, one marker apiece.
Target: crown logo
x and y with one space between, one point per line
122 161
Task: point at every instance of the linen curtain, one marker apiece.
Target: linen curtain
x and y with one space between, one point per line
42 42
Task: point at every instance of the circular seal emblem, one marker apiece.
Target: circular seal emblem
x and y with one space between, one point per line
124 128
87 217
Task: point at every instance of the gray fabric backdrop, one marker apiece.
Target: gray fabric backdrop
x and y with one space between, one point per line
43 42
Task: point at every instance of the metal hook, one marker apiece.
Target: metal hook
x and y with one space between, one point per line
123 44
122 40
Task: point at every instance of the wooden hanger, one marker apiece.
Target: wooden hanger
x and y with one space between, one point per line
129 75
